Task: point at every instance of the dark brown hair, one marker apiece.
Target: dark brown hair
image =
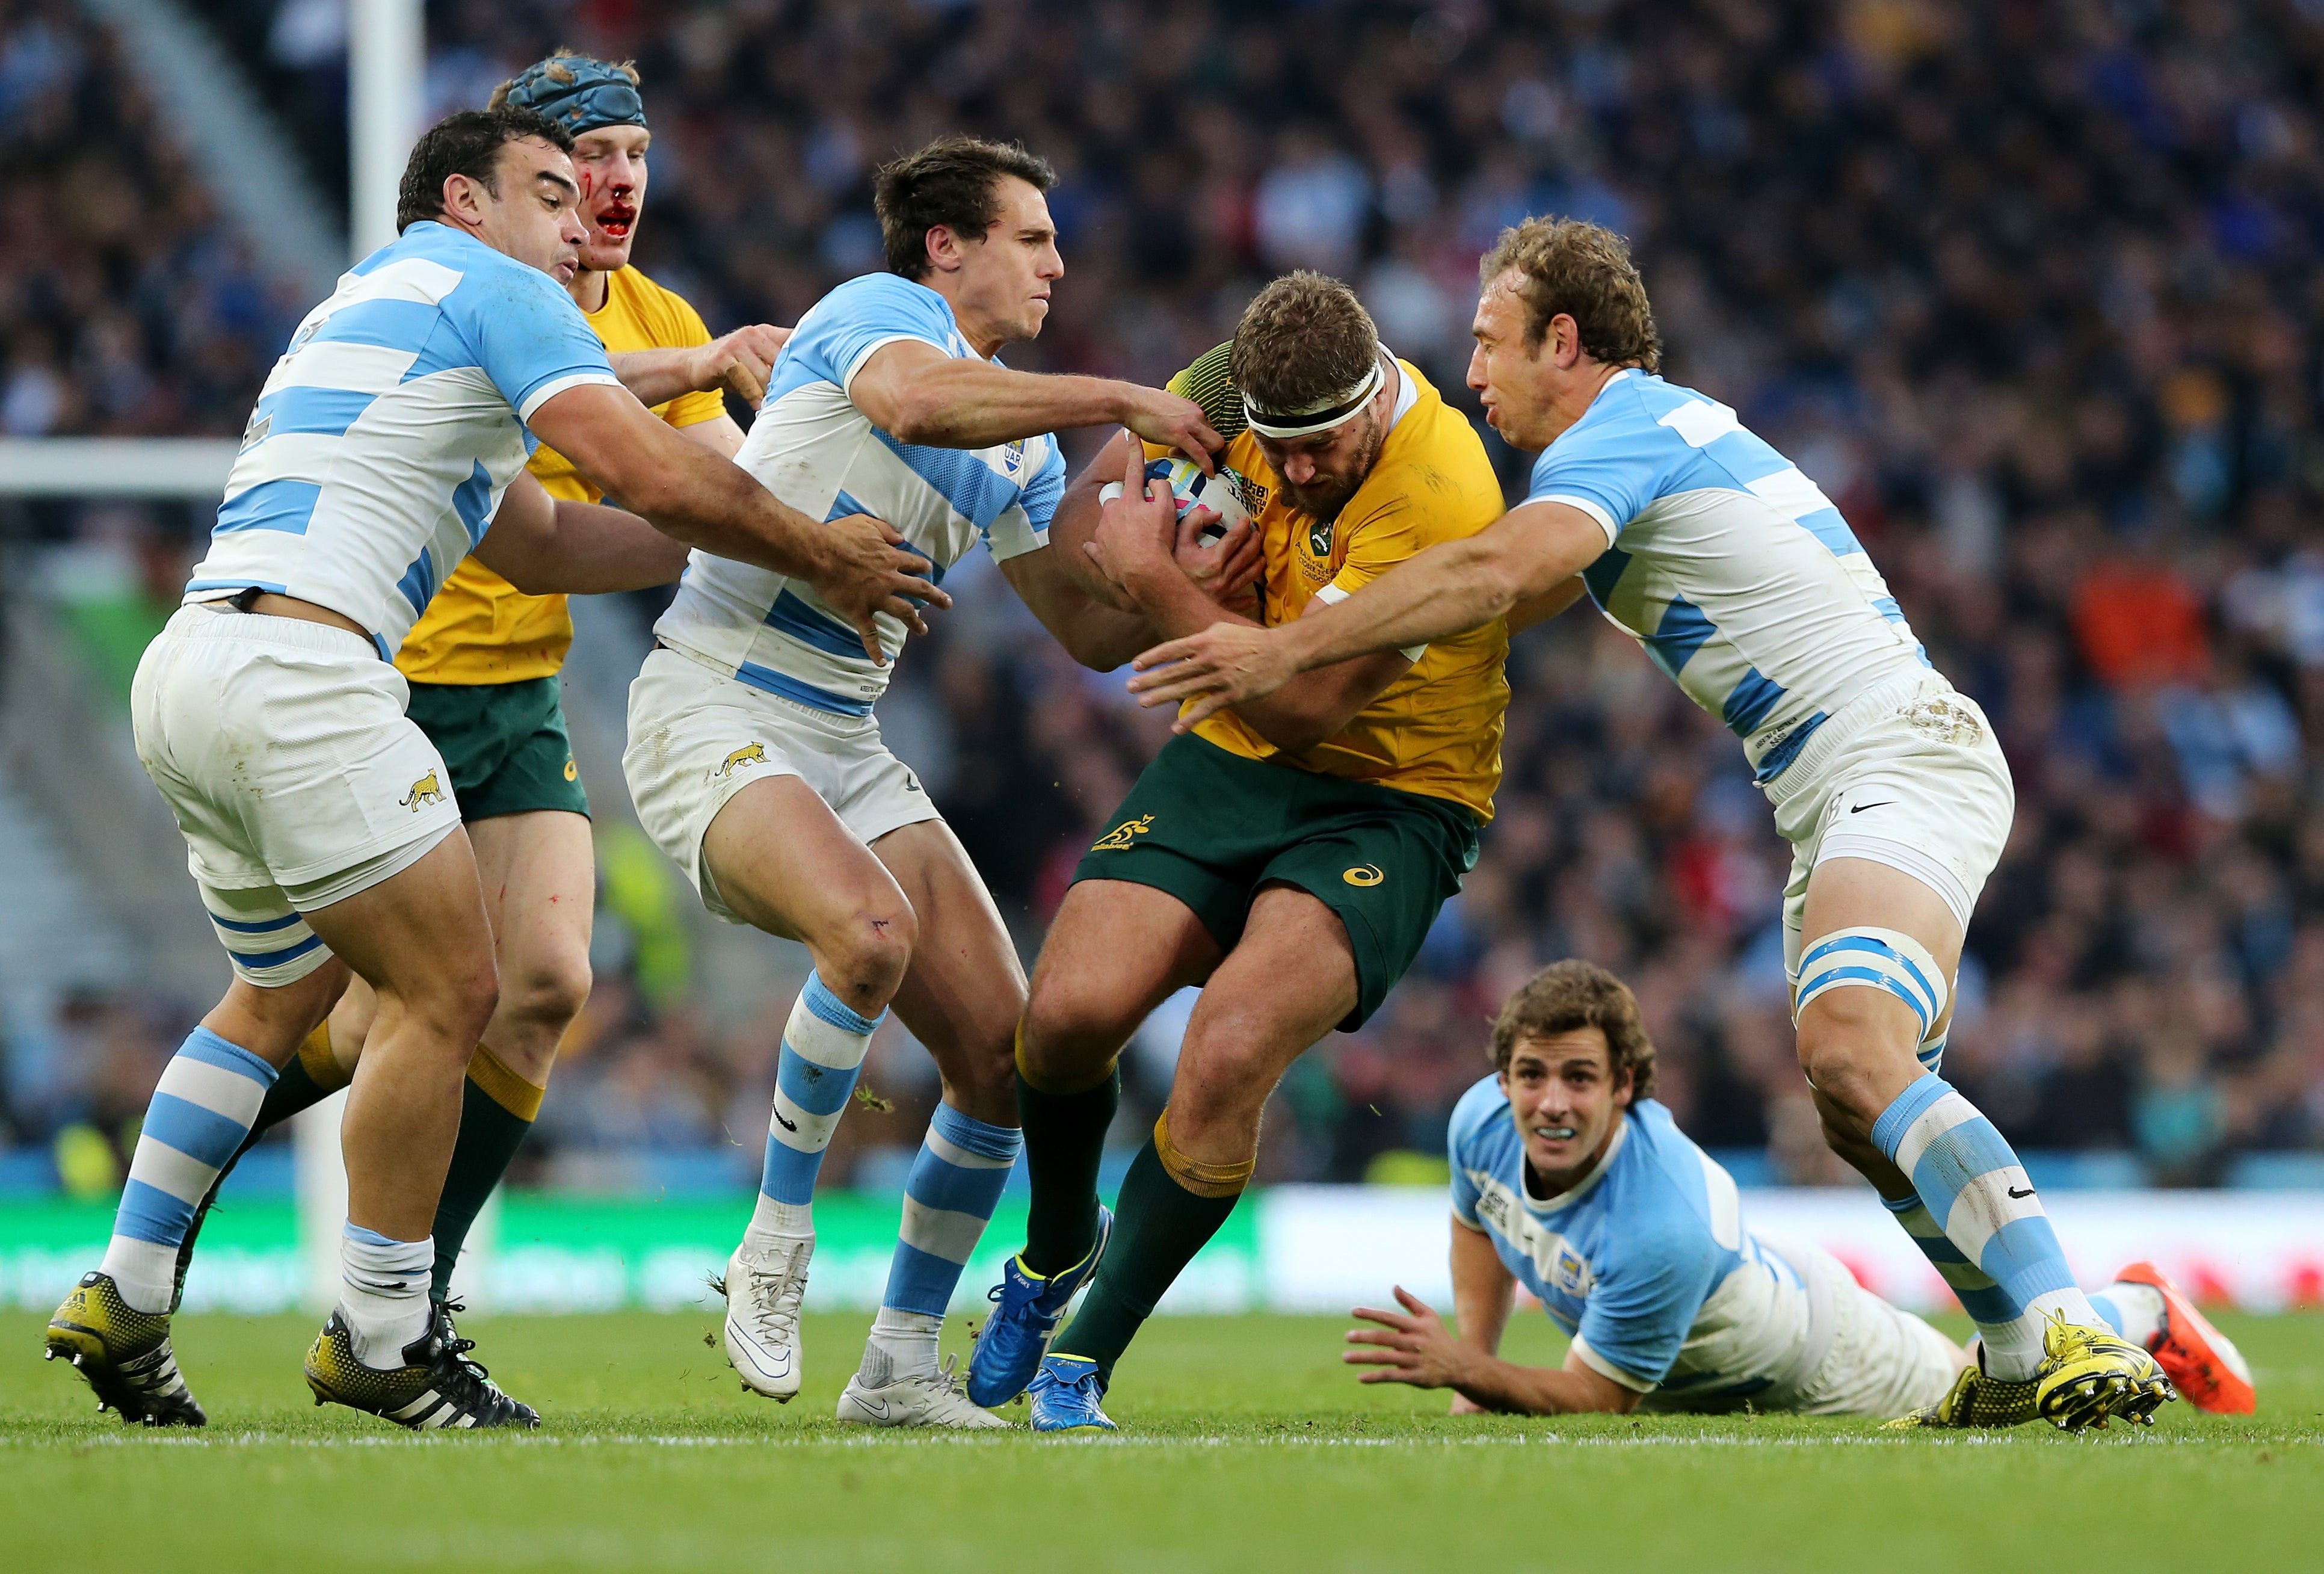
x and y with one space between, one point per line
1584 271
1569 995
467 144
1304 338
954 182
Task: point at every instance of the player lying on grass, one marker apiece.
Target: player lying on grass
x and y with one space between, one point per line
483 663
1288 854
1570 1179
1744 584
757 764
389 444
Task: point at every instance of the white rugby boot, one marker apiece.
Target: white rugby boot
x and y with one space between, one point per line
927 1399
766 1279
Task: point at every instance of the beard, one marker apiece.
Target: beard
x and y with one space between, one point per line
1324 497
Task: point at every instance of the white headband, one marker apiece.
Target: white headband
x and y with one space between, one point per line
1333 411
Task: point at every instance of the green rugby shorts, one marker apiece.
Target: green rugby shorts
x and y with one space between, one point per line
1210 828
505 744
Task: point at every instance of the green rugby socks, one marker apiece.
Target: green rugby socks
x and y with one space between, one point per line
1169 1207
1065 1139
497 1109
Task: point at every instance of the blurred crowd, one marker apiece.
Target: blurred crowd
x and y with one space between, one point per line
127 309
2026 287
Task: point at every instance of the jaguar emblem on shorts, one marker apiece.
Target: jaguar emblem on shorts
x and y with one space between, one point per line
1124 835
1365 875
1945 722
427 789
748 754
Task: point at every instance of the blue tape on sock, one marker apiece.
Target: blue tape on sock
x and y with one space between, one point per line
831 1009
1888 1131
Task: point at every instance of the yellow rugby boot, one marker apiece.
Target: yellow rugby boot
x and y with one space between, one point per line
1975 1400
2091 1376
436 1386
124 1353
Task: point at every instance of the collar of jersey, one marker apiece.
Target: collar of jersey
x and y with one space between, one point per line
1579 1188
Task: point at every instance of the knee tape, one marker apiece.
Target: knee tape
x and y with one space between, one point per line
1202 1180
1875 958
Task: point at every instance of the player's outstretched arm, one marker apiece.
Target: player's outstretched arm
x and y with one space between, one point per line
739 362
1446 590
917 394
543 546
691 494
1132 546
1415 1346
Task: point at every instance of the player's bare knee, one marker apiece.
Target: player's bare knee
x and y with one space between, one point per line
862 958
1069 1031
1843 1043
546 993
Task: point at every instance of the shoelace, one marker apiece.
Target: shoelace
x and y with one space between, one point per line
766 1287
455 1349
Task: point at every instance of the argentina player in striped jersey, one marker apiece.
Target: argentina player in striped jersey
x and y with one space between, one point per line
388 444
757 764
1741 580
1568 1177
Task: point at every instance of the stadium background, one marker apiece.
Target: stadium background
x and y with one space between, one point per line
2028 288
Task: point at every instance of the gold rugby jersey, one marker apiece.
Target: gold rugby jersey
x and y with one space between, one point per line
481 629
1437 729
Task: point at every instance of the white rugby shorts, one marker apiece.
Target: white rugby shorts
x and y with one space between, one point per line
282 749
698 737
1883 1361
1907 774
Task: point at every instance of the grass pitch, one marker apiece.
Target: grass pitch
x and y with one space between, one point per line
1246 1445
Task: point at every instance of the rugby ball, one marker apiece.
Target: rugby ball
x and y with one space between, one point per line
1221 493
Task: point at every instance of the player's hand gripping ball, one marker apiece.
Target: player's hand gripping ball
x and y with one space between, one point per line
1221 494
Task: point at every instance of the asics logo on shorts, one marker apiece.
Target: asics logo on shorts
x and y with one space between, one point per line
1123 836
750 754
427 789
1364 875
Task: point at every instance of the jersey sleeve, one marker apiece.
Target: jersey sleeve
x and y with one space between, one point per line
864 316
1025 527
1482 1104
529 338
1643 1304
1609 470
682 328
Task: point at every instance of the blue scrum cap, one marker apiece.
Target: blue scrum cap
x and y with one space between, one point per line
579 93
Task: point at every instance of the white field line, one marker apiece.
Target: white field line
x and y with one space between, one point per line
263 1439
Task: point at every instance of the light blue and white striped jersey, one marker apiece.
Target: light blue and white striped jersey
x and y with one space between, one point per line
1730 567
812 448
1645 1262
389 430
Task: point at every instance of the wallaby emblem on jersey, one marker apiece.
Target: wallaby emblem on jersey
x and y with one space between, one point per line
427 789
1124 835
748 754
1319 538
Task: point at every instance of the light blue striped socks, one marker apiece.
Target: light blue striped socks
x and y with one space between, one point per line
1984 1229
823 1045
201 1110
954 1185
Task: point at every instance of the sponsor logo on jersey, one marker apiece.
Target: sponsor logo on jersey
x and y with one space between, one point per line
572 770
1123 836
1945 722
1364 875
427 789
748 754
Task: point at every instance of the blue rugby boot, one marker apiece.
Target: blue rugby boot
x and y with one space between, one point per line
1014 1339
1065 1392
